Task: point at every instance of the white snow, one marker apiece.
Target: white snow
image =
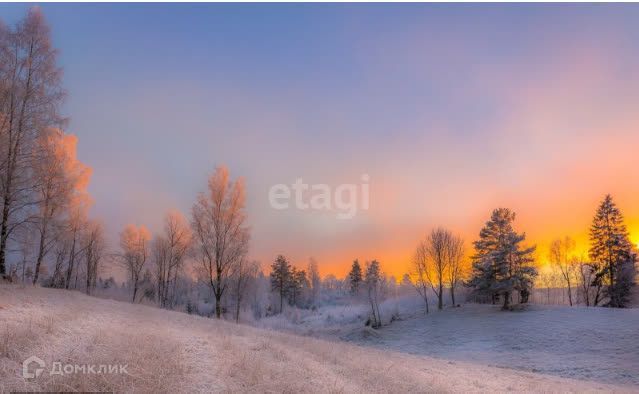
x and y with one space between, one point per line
598 344
174 352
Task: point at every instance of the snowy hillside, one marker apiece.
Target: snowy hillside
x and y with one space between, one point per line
173 352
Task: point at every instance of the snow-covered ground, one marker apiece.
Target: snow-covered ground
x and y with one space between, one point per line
598 344
174 352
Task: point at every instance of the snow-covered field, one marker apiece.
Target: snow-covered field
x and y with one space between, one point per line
600 344
174 352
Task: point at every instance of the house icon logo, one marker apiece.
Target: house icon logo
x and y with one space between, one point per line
26 370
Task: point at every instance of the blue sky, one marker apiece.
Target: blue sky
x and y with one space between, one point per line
451 109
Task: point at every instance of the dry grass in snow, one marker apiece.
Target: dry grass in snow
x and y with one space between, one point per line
173 352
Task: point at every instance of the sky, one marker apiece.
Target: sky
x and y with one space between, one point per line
451 110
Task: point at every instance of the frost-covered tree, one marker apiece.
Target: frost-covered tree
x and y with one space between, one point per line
435 245
296 286
456 268
612 254
561 254
169 253
30 98
315 281
438 262
372 281
501 265
134 243
220 232
355 277
76 221
58 177
242 275
280 278
418 274
94 246
444 250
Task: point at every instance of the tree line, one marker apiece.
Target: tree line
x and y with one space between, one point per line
502 266
43 195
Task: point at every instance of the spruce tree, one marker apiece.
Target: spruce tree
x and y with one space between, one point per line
611 253
280 278
501 265
355 277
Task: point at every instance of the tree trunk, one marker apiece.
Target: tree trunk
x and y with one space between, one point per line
452 295
440 296
71 263
6 205
3 234
43 237
379 315
506 301
611 277
218 293
371 300
281 298
569 294
597 294
425 295
237 309
88 280
218 306
75 282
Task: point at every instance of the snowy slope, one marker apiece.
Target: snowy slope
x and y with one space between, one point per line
174 352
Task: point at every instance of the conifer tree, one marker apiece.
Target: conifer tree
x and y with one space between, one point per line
355 277
280 278
611 253
297 283
501 265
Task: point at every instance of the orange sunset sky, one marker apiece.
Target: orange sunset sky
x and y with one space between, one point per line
452 110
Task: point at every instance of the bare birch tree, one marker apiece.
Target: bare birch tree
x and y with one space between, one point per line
220 232
587 274
57 176
418 274
134 242
455 268
60 251
561 254
169 252
438 247
76 220
94 246
26 247
30 97
243 273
